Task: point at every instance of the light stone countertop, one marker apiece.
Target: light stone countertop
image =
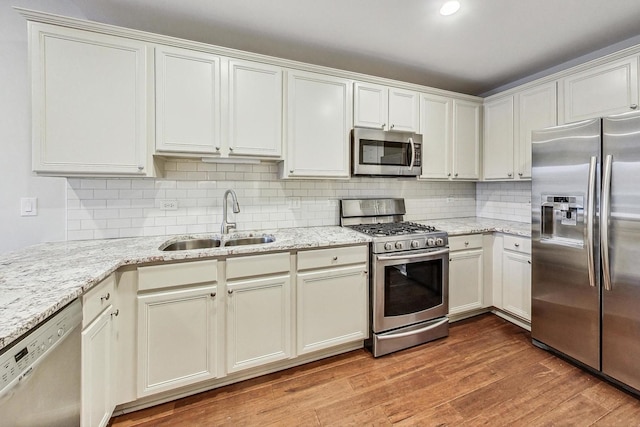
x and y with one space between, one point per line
37 281
473 225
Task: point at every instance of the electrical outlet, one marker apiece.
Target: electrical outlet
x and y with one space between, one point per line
294 202
168 205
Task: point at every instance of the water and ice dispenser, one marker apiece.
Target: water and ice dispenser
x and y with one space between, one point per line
562 219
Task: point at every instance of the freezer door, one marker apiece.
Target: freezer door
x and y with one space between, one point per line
621 294
565 298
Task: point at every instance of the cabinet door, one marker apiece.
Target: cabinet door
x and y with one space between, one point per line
255 109
318 125
516 284
176 338
601 91
498 139
465 281
436 121
537 109
187 101
332 308
404 106
466 140
258 322
97 371
370 105
89 102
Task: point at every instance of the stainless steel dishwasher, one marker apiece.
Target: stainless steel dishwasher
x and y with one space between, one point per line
40 374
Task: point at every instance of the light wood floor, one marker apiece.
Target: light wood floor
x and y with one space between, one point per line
486 372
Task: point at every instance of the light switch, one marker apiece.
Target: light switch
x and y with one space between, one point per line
28 206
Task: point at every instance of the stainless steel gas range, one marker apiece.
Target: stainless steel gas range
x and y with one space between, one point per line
409 288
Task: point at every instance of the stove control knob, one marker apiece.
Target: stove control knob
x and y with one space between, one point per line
415 244
399 245
431 241
388 246
439 241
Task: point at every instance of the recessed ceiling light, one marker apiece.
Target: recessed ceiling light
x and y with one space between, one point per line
449 8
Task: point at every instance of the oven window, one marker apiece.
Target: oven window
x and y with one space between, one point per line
384 153
413 287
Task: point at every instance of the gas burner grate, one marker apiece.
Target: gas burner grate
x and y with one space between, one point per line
393 228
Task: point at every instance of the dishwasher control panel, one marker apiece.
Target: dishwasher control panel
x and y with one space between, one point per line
17 361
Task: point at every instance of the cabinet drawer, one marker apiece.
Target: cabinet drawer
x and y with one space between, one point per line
332 257
469 241
257 265
517 244
97 299
170 275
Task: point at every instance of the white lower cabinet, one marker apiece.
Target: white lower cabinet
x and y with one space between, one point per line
177 322
516 277
332 293
98 354
466 284
259 319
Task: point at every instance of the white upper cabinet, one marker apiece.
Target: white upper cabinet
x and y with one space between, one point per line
498 138
600 91
255 109
508 123
450 138
89 104
386 108
318 123
466 139
536 109
187 101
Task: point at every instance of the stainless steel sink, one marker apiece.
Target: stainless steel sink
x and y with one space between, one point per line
183 245
241 241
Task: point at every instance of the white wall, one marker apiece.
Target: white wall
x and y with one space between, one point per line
16 179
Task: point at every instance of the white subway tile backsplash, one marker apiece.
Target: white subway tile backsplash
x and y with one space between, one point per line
103 208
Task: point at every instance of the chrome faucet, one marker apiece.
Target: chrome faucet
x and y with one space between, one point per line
225 226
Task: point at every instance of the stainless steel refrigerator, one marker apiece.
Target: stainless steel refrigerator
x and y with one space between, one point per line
585 229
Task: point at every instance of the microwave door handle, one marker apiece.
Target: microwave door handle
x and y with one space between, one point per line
413 153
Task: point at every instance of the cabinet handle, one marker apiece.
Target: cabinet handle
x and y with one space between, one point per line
383 125
105 297
230 291
115 313
633 106
213 294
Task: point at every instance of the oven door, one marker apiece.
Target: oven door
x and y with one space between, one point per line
409 288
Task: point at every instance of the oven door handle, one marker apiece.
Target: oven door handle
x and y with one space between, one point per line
412 256
417 331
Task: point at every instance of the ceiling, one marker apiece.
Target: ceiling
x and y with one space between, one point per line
486 45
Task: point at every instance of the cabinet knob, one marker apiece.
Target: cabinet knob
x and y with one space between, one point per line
230 148
140 168
519 173
449 174
633 106
392 126
105 297
529 261
335 258
213 294
517 245
510 174
115 313
455 174
291 171
230 291
466 243
217 148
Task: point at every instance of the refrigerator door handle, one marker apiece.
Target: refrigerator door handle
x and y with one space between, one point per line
590 215
604 222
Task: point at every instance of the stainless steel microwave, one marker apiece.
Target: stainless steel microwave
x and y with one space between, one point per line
376 152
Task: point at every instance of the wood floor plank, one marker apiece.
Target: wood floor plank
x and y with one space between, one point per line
486 372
